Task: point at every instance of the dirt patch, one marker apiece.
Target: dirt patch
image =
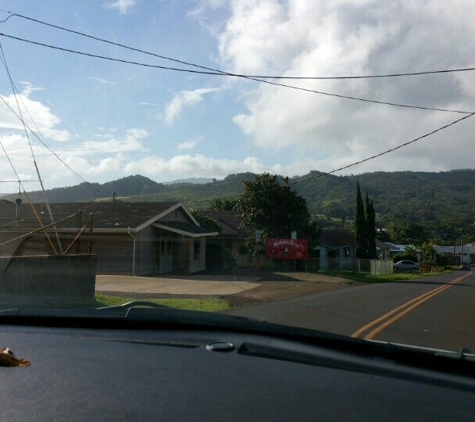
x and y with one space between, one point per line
270 287
294 285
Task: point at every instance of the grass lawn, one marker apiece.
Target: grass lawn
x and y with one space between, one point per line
205 304
366 277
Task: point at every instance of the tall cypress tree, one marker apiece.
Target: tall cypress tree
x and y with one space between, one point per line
370 215
360 226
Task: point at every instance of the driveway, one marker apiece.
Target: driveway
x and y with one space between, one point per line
180 286
246 288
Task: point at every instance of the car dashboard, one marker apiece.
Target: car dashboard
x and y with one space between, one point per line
80 372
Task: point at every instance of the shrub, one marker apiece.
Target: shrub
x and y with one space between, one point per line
404 256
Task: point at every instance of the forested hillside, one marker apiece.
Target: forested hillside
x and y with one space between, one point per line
408 204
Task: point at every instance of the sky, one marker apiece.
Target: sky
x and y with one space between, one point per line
79 118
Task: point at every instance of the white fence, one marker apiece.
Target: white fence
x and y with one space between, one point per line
381 267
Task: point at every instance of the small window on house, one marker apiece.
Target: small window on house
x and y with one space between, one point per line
196 249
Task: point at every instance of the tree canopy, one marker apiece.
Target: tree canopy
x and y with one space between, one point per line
270 205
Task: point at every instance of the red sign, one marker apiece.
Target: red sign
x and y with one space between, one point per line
286 248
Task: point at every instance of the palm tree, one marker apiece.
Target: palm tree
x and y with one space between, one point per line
410 250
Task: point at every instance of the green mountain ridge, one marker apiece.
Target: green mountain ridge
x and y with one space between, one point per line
440 201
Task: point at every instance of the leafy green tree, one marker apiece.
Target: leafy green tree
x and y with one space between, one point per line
429 252
430 256
403 232
218 204
410 254
271 206
336 209
204 220
403 256
411 250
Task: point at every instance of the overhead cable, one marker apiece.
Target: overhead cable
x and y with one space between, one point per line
347 97
220 72
372 157
77 175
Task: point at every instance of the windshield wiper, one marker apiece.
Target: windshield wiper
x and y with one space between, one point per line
133 304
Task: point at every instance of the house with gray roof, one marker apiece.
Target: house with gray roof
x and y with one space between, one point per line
127 237
335 249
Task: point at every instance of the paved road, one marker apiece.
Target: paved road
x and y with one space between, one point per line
437 311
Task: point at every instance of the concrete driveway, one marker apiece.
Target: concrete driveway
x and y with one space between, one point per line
193 285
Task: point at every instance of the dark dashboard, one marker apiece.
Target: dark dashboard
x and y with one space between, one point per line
79 372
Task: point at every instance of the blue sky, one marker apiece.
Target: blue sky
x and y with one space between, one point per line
107 120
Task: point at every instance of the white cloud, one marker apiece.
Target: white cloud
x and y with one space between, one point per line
191 144
101 81
182 166
304 37
28 88
106 157
183 99
131 142
191 166
122 6
36 115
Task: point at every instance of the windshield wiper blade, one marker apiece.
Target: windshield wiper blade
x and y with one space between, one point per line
133 304
119 310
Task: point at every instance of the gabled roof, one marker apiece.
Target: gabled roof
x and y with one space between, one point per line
382 245
227 221
334 239
186 229
116 216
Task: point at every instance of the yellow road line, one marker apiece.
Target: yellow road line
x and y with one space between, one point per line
402 310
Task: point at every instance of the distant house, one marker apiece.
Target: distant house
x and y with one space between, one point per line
335 249
383 249
458 253
127 237
395 249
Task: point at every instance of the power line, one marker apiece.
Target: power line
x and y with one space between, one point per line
257 78
347 97
77 175
220 72
93 189
113 59
405 144
372 157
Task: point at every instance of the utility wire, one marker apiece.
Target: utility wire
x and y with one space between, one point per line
93 189
220 72
347 97
259 78
388 151
372 157
77 175
14 90
4 60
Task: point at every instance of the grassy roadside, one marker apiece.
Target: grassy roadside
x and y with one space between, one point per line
205 304
366 277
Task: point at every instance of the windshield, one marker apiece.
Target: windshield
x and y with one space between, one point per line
308 163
